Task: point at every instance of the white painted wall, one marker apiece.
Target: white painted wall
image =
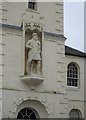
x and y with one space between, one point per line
54 65
53 16
76 95
53 72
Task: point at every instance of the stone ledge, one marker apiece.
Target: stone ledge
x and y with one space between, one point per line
32 79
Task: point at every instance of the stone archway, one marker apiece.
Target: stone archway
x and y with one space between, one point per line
31 109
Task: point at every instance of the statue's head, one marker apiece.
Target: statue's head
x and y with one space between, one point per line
35 36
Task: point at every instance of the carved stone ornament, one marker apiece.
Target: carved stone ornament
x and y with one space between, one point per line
32 20
32 80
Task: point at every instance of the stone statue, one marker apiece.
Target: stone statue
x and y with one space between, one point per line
34 55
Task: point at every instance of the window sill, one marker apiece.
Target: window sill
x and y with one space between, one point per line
71 88
32 10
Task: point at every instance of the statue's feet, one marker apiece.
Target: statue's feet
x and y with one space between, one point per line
38 73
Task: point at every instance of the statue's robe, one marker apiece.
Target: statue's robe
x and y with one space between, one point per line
34 50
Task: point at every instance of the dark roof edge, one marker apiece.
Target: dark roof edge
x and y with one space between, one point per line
10 26
54 34
74 52
20 28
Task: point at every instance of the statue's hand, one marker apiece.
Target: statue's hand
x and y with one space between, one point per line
28 46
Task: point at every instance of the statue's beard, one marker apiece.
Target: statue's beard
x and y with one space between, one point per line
36 38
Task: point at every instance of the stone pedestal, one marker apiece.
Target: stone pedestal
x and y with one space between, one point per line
32 79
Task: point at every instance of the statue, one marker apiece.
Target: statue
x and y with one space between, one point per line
34 55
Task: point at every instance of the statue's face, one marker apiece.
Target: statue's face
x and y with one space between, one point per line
35 37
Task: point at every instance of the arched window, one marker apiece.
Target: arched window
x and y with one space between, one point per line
27 113
75 113
72 75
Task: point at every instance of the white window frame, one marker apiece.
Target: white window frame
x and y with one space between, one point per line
25 113
73 74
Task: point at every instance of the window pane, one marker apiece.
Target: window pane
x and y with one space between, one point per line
26 113
32 5
75 113
72 75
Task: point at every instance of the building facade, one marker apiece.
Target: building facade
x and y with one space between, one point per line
40 76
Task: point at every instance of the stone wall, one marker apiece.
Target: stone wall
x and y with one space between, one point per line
76 94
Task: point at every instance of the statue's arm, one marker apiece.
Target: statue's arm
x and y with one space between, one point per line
28 46
39 47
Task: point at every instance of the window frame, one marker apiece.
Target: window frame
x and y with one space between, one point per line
35 2
78 74
23 113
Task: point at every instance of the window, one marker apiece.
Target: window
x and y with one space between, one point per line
27 113
72 75
75 113
32 5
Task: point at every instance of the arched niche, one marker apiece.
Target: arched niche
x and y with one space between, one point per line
28 36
